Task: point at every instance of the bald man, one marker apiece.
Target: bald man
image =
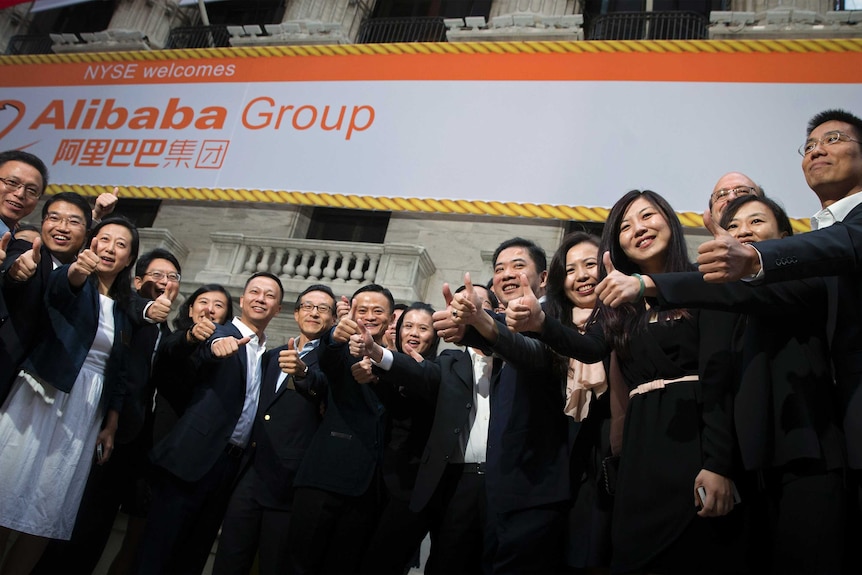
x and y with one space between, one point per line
729 186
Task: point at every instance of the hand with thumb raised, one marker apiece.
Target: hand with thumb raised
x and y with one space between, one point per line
228 346
617 288
346 325
525 313
723 258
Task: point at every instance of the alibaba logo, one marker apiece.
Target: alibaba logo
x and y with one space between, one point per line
11 112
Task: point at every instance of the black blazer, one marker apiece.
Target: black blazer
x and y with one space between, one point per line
346 450
215 404
284 425
785 406
27 317
527 458
832 251
447 383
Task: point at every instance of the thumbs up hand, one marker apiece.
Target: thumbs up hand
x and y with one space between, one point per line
289 360
723 258
346 325
161 307
525 313
228 346
23 268
105 204
617 288
465 304
361 371
84 265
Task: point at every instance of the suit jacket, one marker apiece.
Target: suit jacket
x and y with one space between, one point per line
73 320
284 425
346 451
27 317
832 251
137 409
445 385
215 404
784 401
527 458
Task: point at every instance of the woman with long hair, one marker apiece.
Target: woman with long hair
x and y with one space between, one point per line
677 446
63 409
571 298
786 420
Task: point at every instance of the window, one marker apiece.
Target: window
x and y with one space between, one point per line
432 8
84 17
348 225
240 12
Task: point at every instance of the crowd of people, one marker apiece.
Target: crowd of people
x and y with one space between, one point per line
617 409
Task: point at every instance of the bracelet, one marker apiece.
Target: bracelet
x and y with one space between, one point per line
642 288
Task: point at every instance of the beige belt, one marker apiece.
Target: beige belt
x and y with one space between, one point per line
659 384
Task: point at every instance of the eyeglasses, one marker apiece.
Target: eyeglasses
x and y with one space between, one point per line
828 139
73 221
159 276
321 307
32 192
737 191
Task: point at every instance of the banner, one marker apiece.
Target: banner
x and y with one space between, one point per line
561 124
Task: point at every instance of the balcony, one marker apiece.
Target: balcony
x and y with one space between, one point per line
649 26
390 30
29 44
344 266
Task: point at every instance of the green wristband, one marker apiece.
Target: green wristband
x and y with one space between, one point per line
642 288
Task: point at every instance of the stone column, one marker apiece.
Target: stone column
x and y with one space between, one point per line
346 13
14 21
153 18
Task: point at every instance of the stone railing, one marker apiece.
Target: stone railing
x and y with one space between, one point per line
344 266
520 26
785 22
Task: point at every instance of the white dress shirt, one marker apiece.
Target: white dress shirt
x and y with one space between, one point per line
254 351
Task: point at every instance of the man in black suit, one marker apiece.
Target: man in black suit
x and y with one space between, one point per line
832 165
66 218
338 482
292 387
449 492
198 461
123 481
527 482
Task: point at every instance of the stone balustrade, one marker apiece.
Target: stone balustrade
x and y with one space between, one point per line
344 266
784 22
517 26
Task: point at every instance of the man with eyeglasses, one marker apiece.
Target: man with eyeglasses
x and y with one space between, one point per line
291 389
832 165
23 178
65 220
122 483
730 186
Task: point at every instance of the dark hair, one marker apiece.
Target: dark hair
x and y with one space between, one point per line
27 158
377 289
183 322
557 304
315 287
27 228
273 277
621 322
399 307
431 352
157 254
495 303
537 254
777 211
76 200
836 115
121 289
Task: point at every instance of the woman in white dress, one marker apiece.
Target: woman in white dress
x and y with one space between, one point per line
62 412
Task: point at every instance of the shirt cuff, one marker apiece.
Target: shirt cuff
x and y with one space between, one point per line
146 309
386 362
759 275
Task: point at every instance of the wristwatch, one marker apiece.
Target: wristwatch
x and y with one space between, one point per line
303 375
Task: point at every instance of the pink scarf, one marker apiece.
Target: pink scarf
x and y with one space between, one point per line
583 377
